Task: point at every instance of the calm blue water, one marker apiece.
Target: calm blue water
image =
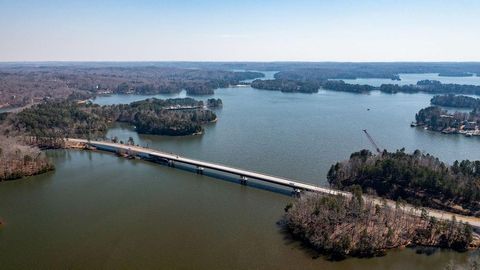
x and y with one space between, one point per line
301 135
269 75
406 79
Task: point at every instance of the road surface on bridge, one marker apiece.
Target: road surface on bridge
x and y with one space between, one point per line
474 221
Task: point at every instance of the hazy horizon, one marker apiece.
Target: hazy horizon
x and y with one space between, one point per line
229 31
237 61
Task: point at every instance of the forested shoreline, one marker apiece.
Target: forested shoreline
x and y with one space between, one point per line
456 101
417 178
438 119
338 227
26 85
18 159
313 86
288 86
46 125
62 119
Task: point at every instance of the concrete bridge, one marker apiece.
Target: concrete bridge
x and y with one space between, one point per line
170 159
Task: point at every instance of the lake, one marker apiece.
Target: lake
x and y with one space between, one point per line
99 211
406 79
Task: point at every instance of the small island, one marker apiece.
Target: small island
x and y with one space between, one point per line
288 86
455 74
214 103
346 87
172 117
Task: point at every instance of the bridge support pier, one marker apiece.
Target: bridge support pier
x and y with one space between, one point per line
296 192
200 170
243 180
171 163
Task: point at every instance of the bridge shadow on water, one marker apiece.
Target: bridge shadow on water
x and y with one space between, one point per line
218 172
251 183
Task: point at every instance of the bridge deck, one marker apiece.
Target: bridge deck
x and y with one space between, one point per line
213 166
474 221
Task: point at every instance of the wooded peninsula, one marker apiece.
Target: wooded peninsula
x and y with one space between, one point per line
417 178
25 85
426 86
17 159
456 101
338 227
46 125
438 119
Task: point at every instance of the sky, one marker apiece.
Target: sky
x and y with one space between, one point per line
241 30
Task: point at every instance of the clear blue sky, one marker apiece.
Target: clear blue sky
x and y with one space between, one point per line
241 30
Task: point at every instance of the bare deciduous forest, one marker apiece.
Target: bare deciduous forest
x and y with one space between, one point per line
342 227
18 160
21 86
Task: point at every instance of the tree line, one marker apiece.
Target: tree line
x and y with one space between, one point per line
313 85
431 86
18 159
47 124
61 119
438 119
418 178
24 85
338 226
457 101
286 85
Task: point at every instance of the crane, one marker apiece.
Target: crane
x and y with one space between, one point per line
372 141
